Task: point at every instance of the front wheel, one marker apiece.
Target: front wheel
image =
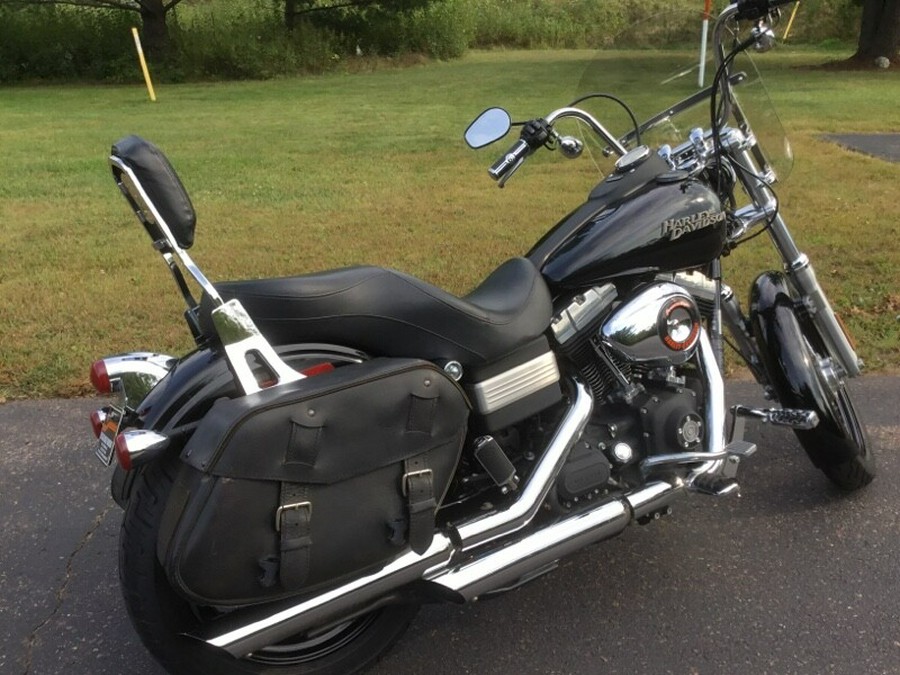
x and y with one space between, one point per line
161 617
803 376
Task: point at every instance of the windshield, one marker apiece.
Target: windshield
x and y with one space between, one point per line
653 66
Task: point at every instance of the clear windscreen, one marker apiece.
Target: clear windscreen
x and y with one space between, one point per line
654 66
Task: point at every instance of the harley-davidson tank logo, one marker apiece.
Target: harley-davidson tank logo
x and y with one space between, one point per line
675 228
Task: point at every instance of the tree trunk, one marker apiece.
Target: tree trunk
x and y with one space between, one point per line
879 34
155 36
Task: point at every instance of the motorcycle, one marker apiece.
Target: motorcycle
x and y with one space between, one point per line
343 447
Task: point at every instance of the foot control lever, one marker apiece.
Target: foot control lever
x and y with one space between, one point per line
783 417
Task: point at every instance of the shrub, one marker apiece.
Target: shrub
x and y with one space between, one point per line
59 42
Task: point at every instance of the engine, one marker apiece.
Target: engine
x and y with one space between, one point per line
635 355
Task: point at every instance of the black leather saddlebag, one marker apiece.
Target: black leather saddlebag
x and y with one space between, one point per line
312 482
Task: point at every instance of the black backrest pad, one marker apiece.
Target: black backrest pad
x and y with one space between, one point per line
162 185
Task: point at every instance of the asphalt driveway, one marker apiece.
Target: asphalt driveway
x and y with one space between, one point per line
792 577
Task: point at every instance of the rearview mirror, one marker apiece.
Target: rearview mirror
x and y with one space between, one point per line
491 125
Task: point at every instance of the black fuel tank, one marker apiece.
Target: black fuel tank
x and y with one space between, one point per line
648 220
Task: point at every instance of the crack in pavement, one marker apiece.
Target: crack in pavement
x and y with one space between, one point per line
32 638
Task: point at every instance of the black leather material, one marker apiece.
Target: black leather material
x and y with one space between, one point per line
162 185
343 441
387 313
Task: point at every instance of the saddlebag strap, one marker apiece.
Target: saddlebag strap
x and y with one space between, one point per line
418 488
292 521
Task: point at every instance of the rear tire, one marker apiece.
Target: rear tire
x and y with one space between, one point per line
160 616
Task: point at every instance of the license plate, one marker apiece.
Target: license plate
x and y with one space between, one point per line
106 446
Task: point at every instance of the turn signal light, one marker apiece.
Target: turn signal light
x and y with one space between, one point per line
122 454
138 446
100 378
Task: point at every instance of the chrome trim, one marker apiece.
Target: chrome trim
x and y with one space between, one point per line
134 374
506 565
331 605
633 330
497 524
582 311
680 458
715 409
241 339
144 445
514 384
632 159
652 497
801 273
592 122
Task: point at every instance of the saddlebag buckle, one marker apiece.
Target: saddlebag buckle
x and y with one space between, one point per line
279 512
407 477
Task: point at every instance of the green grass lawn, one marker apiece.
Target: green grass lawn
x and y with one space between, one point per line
296 175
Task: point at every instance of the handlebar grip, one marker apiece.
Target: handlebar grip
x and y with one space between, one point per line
510 160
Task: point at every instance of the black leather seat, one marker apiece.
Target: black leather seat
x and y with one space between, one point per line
388 313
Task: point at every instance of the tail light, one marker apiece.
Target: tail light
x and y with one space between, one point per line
139 446
318 369
98 417
100 377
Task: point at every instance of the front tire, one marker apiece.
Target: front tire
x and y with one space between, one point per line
161 617
803 376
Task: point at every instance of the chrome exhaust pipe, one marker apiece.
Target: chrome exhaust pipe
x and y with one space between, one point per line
466 581
254 629
509 564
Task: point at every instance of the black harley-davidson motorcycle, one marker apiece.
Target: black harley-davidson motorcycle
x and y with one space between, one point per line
343 447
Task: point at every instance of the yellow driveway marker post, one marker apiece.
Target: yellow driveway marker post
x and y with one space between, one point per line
787 31
140 53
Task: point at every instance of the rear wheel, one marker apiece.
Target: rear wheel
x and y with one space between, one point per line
160 616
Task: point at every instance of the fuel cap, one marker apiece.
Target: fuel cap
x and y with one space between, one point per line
632 159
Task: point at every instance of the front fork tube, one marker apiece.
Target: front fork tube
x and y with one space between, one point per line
801 274
734 320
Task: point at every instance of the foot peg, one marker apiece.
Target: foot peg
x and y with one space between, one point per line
718 486
783 417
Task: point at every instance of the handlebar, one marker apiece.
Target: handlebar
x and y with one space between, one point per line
507 165
504 167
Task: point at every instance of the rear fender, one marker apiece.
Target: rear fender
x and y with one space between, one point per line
175 406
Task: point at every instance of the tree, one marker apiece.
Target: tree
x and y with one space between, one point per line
153 16
879 33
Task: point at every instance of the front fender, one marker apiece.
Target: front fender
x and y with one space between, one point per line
787 348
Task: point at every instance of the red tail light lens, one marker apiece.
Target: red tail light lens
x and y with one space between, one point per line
100 378
318 369
98 417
